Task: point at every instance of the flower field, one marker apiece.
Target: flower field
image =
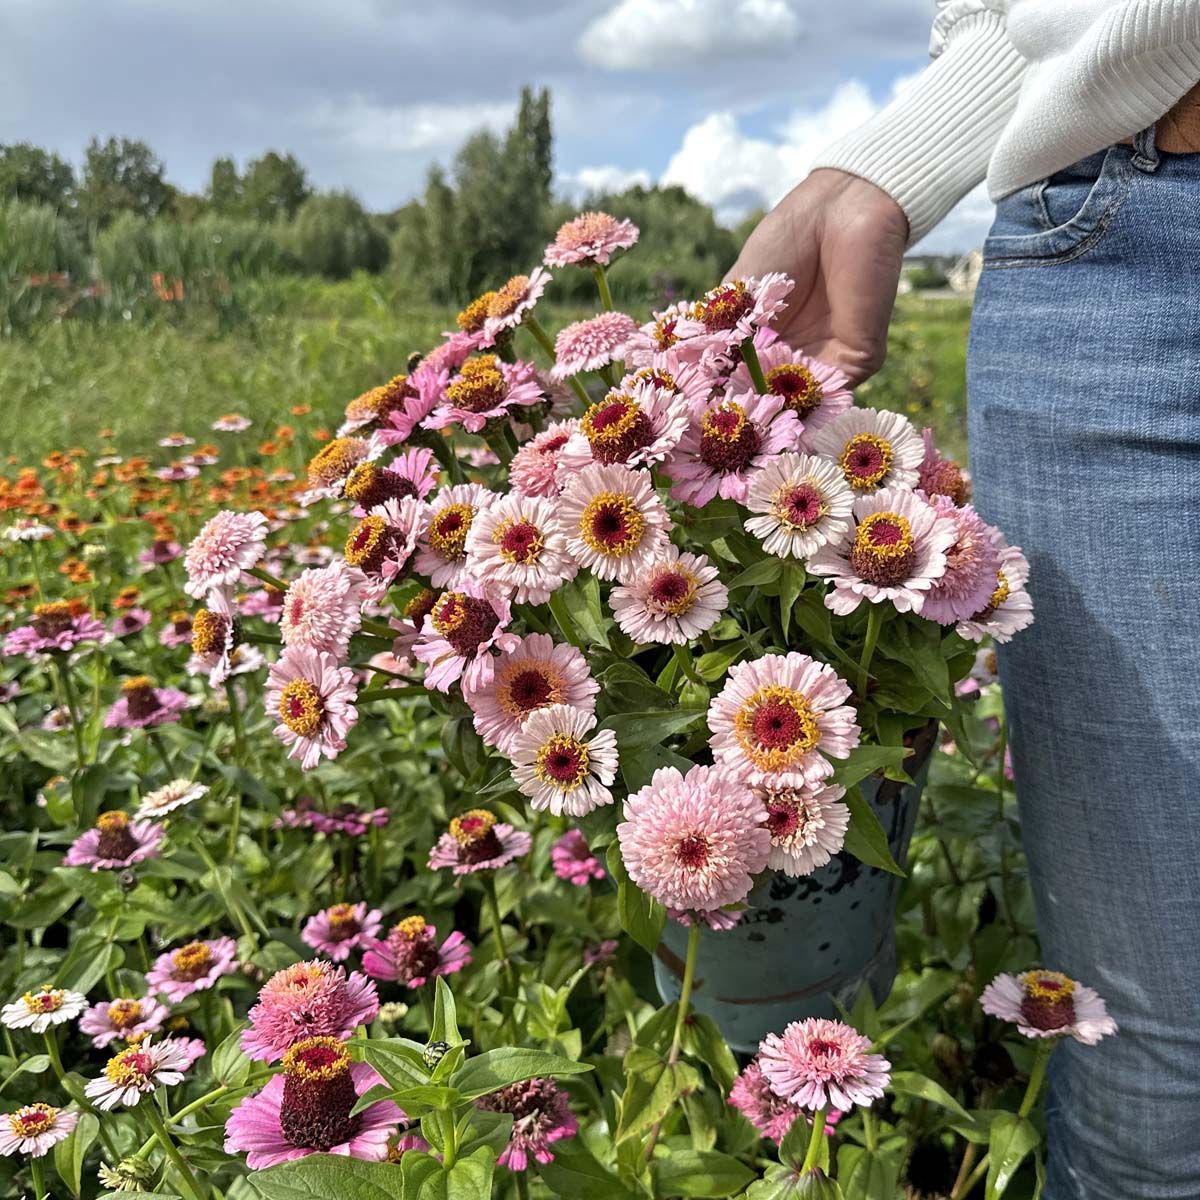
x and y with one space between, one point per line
401 749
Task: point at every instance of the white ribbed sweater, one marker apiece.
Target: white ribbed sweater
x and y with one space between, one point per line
1019 89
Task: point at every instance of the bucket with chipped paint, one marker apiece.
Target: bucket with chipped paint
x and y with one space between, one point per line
804 942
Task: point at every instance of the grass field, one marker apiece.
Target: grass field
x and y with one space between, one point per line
302 342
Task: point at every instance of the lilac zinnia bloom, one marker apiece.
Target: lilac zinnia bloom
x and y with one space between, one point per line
192 968
573 860
541 1114
142 706
337 930
122 1019
55 626
115 843
411 955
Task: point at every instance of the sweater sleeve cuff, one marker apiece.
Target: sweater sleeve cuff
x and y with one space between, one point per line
932 143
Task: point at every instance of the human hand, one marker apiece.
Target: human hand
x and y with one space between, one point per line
842 240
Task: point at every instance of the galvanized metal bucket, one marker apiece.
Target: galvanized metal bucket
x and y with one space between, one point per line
807 941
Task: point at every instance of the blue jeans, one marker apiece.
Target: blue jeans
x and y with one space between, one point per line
1084 388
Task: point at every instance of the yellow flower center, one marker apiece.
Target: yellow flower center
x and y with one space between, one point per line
449 528
334 461
365 542
111 822
46 999
32 1119
411 927
866 460
471 319
471 826
208 632
797 385
1047 985
317 1059
562 762
611 524
123 1013
519 540
508 297
776 727
130 1066
191 961
301 707
478 391
138 683
883 549
449 613
341 915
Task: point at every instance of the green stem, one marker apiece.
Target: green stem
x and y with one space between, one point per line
267 577
609 375
68 686
602 286
684 659
36 559
239 742
38 1179
972 1179
164 1138
497 922
55 1057
161 749
444 453
1036 1076
874 622
186 1111
499 446
750 358
522 1186
685 992
814 1142
868 1129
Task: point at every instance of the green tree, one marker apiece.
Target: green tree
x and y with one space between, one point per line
334 236
273 187
36 176
225 187
121 175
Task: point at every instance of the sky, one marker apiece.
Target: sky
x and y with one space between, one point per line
729 98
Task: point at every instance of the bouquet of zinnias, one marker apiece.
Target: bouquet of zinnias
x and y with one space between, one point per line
667 584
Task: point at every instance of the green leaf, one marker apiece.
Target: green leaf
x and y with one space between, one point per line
865 838
652 1087
912 1083
393 1059
494 1069
917 643
230 1065
700 1173
320 1176
491 1129
641 916
1012 1138
445 1015
866 760
638 730
575 1174
864 1175
783 1183
702 1038
69 1153
765 571
425 1179
791 584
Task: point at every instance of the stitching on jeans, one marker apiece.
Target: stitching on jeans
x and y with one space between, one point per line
1082 247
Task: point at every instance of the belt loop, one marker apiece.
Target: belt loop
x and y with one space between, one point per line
1145 153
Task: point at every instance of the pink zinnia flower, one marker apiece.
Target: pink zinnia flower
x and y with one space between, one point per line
938 476
426 386
308 999
178 630
35 1128
615 523
591 344
516 547
732 312
443 546
410 954
228 544
895 553
558 766
542 1115
322 608
770 1114
264 603
313 698
114 843
195 967
694 841
599 953
142 706
813 390
509 304
231 423
42 1007
334 463
214 634
820 1064
484 390
972 566
140 1069
534 467
337 930
717 919
674 330
132 621
123 1019
381 545
177 472
1047 1004
345 819
726 440
637 425
166 799
590 239
803 502
807 822
412 474
476 841
459 634
306 1109
160 551
1009 609
534 673
572 859
55 626
673 600
780 714
876 449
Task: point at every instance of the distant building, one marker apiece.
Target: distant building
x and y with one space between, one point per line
964 275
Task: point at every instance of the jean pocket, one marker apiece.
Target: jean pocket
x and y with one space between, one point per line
1061 217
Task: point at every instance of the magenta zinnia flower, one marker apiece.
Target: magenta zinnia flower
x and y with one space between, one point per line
972 564
381 545
56 625
694 841
1047 1004
732 312
160 551
192 968
573 860
308 999
306 1109
673 600
782 713
534 673
228 544
141 705
485 389
313 698
542 1115
322 608
476 841
35 1128
115 843
770 1114
459 634
534 468
938 476
132 1073
820 1064
725 442
591 344
590 239
410 954
673 330
132 621
337 930
637 425
123 1019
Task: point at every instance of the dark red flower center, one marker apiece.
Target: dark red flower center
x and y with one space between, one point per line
724 306
464 621
801 505
692 851
116 840
529 689
368 486
883 552
141 700
53 618
776 724
783 817
318 1094
520 541
728 440
797 385
615 428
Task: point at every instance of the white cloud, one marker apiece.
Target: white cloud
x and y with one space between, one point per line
405 128
589 180
658 34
